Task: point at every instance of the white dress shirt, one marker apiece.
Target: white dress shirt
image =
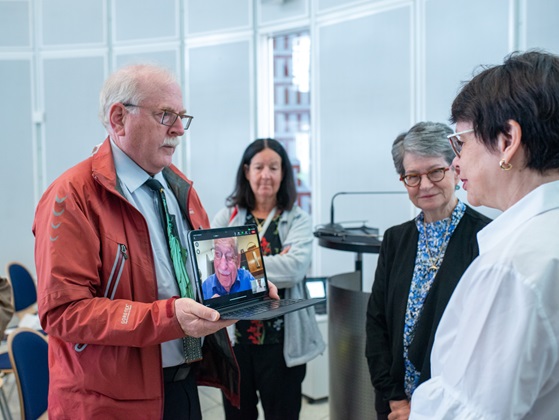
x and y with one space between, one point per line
495 354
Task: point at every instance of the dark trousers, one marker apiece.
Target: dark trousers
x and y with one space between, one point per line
181 395
263 369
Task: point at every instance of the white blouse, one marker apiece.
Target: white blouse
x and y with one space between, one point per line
496 351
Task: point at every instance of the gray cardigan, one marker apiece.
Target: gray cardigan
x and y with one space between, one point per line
303 341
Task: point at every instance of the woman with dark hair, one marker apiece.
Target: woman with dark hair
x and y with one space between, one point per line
419 265
272 355
496 351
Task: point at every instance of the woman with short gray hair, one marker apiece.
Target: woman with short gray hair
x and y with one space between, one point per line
419 265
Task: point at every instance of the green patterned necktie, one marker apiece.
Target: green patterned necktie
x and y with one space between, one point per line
191 345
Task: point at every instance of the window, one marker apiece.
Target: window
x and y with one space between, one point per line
292 119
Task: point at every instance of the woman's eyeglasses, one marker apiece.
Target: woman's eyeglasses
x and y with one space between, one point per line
456 143
434 175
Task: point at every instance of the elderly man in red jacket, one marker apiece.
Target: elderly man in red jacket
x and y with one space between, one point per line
107 287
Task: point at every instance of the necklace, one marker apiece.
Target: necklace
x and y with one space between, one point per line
263 226
435 263
258 223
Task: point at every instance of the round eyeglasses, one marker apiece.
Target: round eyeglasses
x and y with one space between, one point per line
168 118
434 175
456 143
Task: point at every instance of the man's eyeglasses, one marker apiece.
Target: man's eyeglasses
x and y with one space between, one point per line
434 175
168 118
218 255
455 141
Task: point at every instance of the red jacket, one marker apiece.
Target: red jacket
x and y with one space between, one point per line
97 298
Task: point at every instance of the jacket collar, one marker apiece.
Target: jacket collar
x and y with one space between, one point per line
103 170
103 167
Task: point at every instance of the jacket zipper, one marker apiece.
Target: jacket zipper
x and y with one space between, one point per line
116 273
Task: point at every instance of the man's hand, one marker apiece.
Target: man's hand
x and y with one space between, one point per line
197 320
400 410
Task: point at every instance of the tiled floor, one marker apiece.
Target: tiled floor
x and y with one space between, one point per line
210 399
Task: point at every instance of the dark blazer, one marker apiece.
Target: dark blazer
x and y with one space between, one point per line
389 298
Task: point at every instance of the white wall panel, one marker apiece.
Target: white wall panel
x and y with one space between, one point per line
218 15
168 59
67 22
364 102
219 98
329 5
16 164
459 36
71 95
271 11
542 30
145 20
14 24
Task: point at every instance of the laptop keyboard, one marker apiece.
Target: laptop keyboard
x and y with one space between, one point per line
261 307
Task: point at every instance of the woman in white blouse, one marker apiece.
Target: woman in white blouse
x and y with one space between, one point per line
496 351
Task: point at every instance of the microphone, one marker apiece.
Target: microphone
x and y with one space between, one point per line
336 229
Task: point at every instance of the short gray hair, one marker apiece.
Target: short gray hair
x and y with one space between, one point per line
230 242
427 139
131 84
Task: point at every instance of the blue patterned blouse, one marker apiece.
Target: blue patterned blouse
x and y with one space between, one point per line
435 236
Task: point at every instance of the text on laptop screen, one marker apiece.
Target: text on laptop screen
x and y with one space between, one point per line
228 264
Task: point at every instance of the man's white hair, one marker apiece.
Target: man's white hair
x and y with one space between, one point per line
131 84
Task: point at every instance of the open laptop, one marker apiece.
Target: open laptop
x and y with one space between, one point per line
216 263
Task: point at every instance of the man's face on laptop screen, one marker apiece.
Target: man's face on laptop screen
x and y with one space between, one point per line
226 261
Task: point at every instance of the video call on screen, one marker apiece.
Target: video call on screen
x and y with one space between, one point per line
248 258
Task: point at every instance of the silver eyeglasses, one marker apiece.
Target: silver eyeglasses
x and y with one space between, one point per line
168 118
434 175
455 141
229 257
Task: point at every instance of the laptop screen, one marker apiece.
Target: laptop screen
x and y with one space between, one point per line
316 286
228 265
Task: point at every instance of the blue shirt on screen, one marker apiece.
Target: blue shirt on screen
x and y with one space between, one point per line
212 286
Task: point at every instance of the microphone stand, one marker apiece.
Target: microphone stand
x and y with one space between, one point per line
337 227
